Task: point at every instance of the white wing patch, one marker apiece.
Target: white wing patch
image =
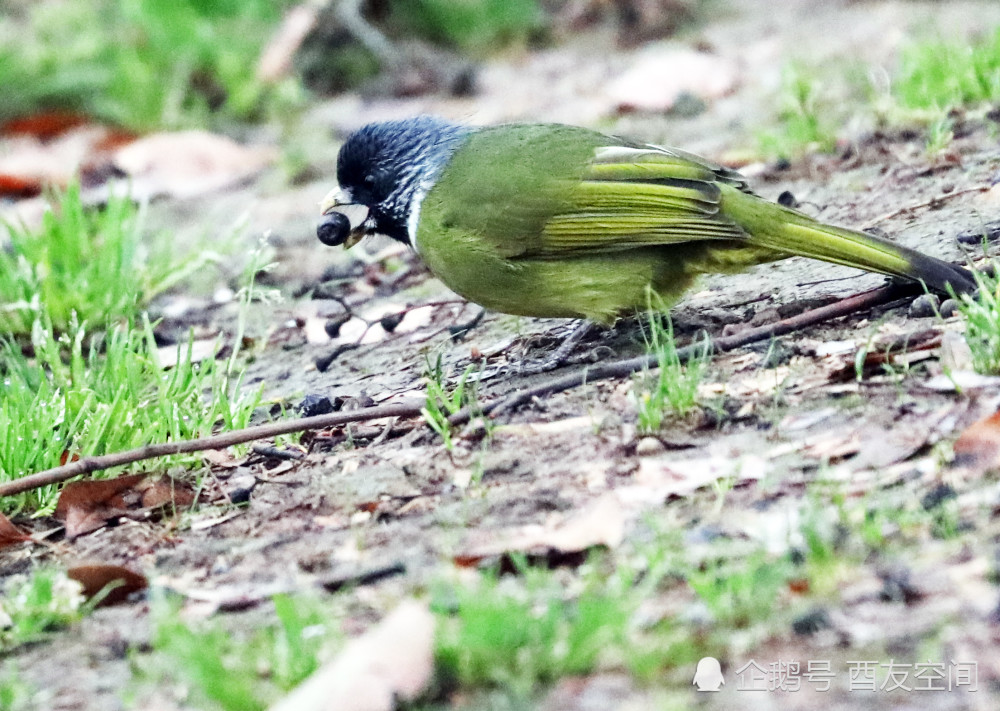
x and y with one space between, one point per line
623 154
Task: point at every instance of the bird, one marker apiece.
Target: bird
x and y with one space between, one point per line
553 220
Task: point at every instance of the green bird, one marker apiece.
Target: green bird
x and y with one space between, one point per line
558 221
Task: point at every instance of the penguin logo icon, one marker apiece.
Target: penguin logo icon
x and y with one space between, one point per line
708 675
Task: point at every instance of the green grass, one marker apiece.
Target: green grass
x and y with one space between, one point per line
36 605
520 633
673 388
741 591
15 694
86 395
473 26
932 78
444 401
226 665
140 63
805 121
981 312
95 265
937 75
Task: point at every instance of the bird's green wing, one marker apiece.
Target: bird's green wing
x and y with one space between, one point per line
635 196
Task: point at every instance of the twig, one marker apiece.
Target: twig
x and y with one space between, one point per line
267 450
219 441
932 202
349 14
617 369
623 368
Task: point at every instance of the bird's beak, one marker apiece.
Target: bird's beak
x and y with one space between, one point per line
338 201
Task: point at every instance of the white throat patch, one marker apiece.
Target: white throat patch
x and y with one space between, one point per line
419 193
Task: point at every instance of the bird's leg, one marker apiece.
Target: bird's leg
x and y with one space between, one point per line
461 330
560 354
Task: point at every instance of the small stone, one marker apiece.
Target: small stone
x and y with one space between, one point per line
925 306
649 446
240 488
937 496
949 307
314 404
811 622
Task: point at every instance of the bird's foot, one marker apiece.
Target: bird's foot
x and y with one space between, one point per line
461 330
560 355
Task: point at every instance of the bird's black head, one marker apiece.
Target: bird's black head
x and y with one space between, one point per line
389 167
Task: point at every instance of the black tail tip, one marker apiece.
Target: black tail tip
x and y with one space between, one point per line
944 277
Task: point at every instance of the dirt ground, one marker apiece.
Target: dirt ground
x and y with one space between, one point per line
779 426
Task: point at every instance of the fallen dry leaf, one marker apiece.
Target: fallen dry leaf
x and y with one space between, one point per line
85 506
961 380
29 161
14 187
393 660
94 578
187 163
164 492
661 75
600 523
197 351
43 126
978 448
10 534
665 476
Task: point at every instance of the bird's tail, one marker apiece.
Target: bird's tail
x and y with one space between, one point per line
775 227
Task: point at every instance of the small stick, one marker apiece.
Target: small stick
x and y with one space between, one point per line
932 202
623 368
617 369
219 441
267 450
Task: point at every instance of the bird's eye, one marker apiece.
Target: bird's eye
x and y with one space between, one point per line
370 181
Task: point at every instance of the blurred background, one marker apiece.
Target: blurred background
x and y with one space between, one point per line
106 92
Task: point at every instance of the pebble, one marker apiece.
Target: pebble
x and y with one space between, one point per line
925 306
949 307
648 446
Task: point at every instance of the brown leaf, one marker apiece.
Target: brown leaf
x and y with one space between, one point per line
85 506
600 523
978 448
43 126
165 492
10 534
94 578
29 161
393 660
13 186
222 458
187 163
660 75
67 457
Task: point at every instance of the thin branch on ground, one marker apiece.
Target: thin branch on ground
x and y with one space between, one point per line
616 369
932 202
624 368
87 465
